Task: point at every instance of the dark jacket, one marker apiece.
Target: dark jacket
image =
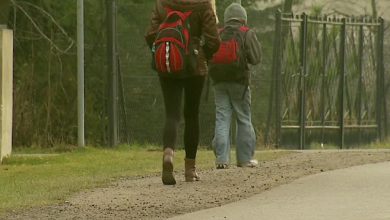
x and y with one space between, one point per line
203 26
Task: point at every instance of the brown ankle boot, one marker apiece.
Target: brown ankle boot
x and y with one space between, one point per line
189 171
167 167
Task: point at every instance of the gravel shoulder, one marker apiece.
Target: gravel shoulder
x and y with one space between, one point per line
146 197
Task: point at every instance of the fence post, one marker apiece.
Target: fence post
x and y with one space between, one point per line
360 83
278 83
273 98
80 75
342 82
384 103
380 99
6 78
302 82
324 56
112 73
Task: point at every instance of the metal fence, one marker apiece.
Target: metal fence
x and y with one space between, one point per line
45 76
328 75
141 111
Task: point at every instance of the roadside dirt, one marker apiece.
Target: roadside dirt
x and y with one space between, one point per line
147 198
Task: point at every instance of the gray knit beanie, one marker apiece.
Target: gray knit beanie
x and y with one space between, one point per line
235 12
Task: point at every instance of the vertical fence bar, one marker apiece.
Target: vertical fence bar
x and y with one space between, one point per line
271 101
273 96
302 83
380 101
323 75
278 83
384 101
112 73
378 83
360 83
80 75
342 83
122 101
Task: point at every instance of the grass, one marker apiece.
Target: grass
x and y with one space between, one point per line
380 145
33 177
373 145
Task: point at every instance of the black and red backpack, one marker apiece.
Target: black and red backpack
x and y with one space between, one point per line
229 63
173 53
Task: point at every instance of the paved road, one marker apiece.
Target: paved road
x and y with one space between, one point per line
356 193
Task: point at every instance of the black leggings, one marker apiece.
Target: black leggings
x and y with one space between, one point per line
173 91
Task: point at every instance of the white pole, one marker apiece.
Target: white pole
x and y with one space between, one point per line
80 72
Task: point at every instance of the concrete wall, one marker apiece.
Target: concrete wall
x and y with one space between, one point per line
6 76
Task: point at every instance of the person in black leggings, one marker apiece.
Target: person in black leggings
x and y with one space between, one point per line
205 42
173 92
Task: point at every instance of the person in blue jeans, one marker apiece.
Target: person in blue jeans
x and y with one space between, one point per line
232 92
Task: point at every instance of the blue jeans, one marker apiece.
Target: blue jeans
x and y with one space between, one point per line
233 97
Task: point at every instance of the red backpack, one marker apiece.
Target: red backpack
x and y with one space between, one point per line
229 62
173 55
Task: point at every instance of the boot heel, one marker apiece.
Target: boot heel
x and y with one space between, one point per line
167 168
190 174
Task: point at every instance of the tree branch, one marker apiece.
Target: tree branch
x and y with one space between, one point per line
70 40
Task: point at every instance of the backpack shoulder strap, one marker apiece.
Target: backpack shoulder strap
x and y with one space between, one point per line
220 30
244 29
182 15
